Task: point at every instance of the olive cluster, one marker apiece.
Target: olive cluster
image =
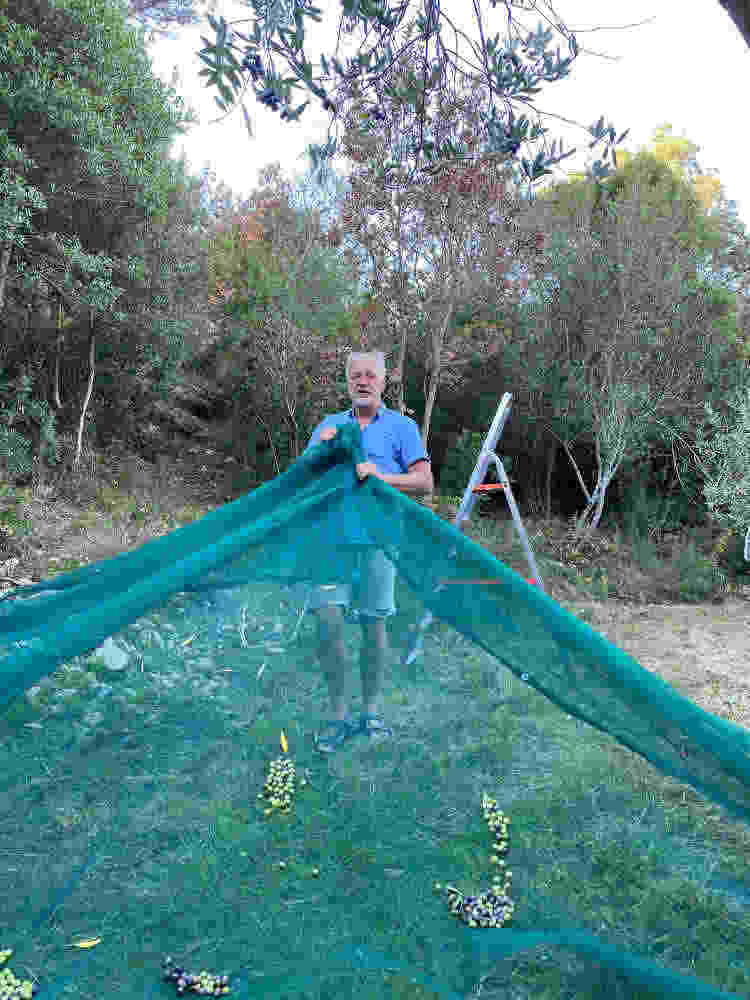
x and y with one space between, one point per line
495 907
252 63
199 982
10 987
279 787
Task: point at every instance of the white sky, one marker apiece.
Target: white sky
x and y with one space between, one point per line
657 72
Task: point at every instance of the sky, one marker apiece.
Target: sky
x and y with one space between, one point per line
642 64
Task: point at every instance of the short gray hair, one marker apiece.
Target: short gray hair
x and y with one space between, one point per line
377 356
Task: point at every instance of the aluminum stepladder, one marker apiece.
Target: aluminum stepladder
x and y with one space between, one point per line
476 486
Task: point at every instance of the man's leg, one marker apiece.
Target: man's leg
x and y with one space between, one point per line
332 655
377 583
372 661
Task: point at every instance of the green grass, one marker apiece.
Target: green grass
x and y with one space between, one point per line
165 789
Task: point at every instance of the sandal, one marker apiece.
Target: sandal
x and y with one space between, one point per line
333 735
374 725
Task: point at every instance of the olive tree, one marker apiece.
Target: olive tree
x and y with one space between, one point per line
511 72
623 324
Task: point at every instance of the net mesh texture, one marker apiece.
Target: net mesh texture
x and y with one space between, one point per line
542 816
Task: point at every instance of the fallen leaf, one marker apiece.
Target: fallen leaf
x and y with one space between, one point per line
86 943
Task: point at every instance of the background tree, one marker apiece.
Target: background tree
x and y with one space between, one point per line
723 459
158 16
625 276
82 167
287 296
666 171
424 229
140 372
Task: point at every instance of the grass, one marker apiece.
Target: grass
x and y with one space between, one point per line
594 830
158 798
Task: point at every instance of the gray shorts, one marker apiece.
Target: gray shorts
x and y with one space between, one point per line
374 590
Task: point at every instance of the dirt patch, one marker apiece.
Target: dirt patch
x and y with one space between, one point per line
703 651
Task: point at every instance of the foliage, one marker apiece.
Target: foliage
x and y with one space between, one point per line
168 287
158 16
672 436
68 126
679 153
287 256
621 270
135 261
286 291
93 142
725 461
648 514
729 555
661 193
667 175
459 462
15 452
506 73
105 270
699 577
442 226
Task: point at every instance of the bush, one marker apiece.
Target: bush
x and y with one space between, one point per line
649 515
729 556
459 463
17 406
699 578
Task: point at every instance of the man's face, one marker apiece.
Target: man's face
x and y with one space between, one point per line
366 384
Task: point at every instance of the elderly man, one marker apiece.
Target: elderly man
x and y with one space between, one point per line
396 455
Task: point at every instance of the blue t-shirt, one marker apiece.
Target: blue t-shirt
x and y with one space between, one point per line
391 440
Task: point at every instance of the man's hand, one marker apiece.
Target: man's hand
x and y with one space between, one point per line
365 469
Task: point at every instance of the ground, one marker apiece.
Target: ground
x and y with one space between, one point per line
702 649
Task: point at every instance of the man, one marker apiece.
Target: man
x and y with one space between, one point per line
396 455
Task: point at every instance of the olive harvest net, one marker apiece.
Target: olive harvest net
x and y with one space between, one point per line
545 819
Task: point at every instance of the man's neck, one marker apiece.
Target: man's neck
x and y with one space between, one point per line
365 412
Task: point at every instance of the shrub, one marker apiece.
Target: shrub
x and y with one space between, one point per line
699 578
728 555
459 463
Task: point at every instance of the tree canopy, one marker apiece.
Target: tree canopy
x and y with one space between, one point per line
511 71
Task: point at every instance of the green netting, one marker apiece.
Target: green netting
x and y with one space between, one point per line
145 812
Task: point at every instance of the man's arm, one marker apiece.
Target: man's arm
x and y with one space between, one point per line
416 482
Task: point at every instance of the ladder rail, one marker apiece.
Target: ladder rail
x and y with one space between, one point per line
474 487
480 468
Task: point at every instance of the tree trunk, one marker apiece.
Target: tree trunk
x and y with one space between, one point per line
551 455
4 260
89 390
58 353
401 366
437 344
266 428
292 421
583 531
